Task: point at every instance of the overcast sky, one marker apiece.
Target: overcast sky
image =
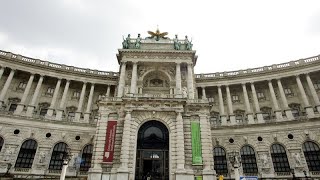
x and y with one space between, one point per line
227 34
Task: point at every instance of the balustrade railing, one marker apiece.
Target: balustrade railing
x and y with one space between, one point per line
290 64
58 66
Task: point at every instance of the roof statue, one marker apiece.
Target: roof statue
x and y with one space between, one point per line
157 34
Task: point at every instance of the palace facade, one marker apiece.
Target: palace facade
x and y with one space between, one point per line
157 118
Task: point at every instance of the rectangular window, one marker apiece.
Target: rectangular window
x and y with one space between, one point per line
76 94
211 100
22 85
235 98
71 115
261 96
288 92
43 111
50 91
13 107
317 86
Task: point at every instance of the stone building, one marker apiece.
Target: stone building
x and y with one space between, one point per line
156 118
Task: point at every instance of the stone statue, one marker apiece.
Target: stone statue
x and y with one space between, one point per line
73 160
188 43
138 42
157 34
297 158
8 154
42 157
176 43
126 42
184 92
264 160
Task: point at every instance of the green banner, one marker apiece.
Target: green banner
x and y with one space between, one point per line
196 143
198 178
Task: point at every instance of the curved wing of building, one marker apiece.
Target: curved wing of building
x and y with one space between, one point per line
156 119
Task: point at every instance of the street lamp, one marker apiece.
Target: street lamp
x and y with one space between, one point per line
7 174
293 174
66 156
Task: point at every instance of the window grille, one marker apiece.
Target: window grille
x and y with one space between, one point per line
58 154
26 154
43 111
279 158
86 158
288 92
248 159
220 161
312 154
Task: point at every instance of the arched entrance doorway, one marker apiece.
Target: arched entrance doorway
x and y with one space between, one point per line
152 158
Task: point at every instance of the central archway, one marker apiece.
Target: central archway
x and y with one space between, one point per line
152 159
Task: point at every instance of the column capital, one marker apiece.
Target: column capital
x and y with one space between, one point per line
297 75
269 80
59 78
68 80
203 87
178 63
92 84
84 82
243 83
252 82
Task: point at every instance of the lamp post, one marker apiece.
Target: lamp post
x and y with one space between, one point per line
235 162
7 174
66 156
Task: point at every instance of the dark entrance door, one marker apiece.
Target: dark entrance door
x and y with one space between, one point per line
152 152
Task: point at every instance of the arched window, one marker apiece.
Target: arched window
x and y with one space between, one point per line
248 159
86 158
59 152
26 154
1 143
312 154
279 158
220 161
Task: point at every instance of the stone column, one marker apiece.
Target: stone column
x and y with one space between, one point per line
79 109
122 79
180 143
309 109
31 106
108 91
54 99
24 96
206 144
88 110
6 87
256 104
123 171
134 78
313 92
63 100
204 96
95 171
221 108
230 108
284 101
1 72
275 102
248 107
190 82
178 80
